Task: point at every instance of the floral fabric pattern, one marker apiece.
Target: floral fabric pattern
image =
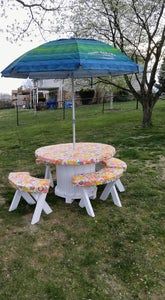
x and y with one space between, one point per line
103 176
115 163
84 153
26 183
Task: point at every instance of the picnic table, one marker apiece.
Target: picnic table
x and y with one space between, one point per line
71 161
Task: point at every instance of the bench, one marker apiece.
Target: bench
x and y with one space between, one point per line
33 190
106 176
48 173
117 164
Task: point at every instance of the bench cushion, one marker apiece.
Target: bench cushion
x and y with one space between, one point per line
103 176
23 181
115 163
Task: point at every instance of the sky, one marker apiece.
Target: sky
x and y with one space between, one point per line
11 51
8 53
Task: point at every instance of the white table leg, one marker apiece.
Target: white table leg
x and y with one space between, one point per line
48 175
68 200
65 188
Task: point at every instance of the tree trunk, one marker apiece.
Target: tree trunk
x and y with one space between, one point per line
147 114
137 104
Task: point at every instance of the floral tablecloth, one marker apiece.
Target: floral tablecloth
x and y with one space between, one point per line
84 153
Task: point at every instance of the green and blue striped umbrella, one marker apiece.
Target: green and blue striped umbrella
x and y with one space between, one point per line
75 58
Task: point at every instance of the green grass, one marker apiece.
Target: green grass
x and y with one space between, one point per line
68 255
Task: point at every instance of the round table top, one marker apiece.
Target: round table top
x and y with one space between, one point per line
84 153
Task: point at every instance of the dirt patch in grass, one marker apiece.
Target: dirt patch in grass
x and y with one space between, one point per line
161 166
150 164
157 297
140 137
158 166
2 200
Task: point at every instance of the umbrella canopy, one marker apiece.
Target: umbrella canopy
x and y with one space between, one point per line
77 58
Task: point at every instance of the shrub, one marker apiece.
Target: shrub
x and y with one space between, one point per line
86 96
6 104
122 96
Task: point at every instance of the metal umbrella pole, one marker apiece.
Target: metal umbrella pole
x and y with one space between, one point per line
17 112
73 115
111 97
35 95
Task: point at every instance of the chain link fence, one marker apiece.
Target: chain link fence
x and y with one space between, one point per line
63 109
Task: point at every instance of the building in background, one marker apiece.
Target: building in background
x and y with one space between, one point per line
5 101
48 93
22 97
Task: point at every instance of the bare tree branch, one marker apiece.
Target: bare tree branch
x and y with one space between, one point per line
137 28
37 5
107 81
155 65
36 16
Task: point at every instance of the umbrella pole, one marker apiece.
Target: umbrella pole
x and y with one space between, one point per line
35 95
73 115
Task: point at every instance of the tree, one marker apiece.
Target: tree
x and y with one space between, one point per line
134 26
29 18
162 75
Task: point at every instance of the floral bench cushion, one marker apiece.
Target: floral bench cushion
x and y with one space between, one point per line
103 176
115 163
23 181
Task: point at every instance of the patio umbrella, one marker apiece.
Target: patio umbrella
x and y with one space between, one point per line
74 58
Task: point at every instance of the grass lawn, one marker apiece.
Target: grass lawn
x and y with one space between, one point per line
69 255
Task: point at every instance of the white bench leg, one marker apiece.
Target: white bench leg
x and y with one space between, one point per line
27 198
94 193
87 203
119 185
106 190
81 203
48 175
110 188
39 207
15 201
115 196
46 208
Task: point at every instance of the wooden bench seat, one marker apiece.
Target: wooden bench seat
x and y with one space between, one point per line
117 164
102 176
33 190
106 176
48 173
